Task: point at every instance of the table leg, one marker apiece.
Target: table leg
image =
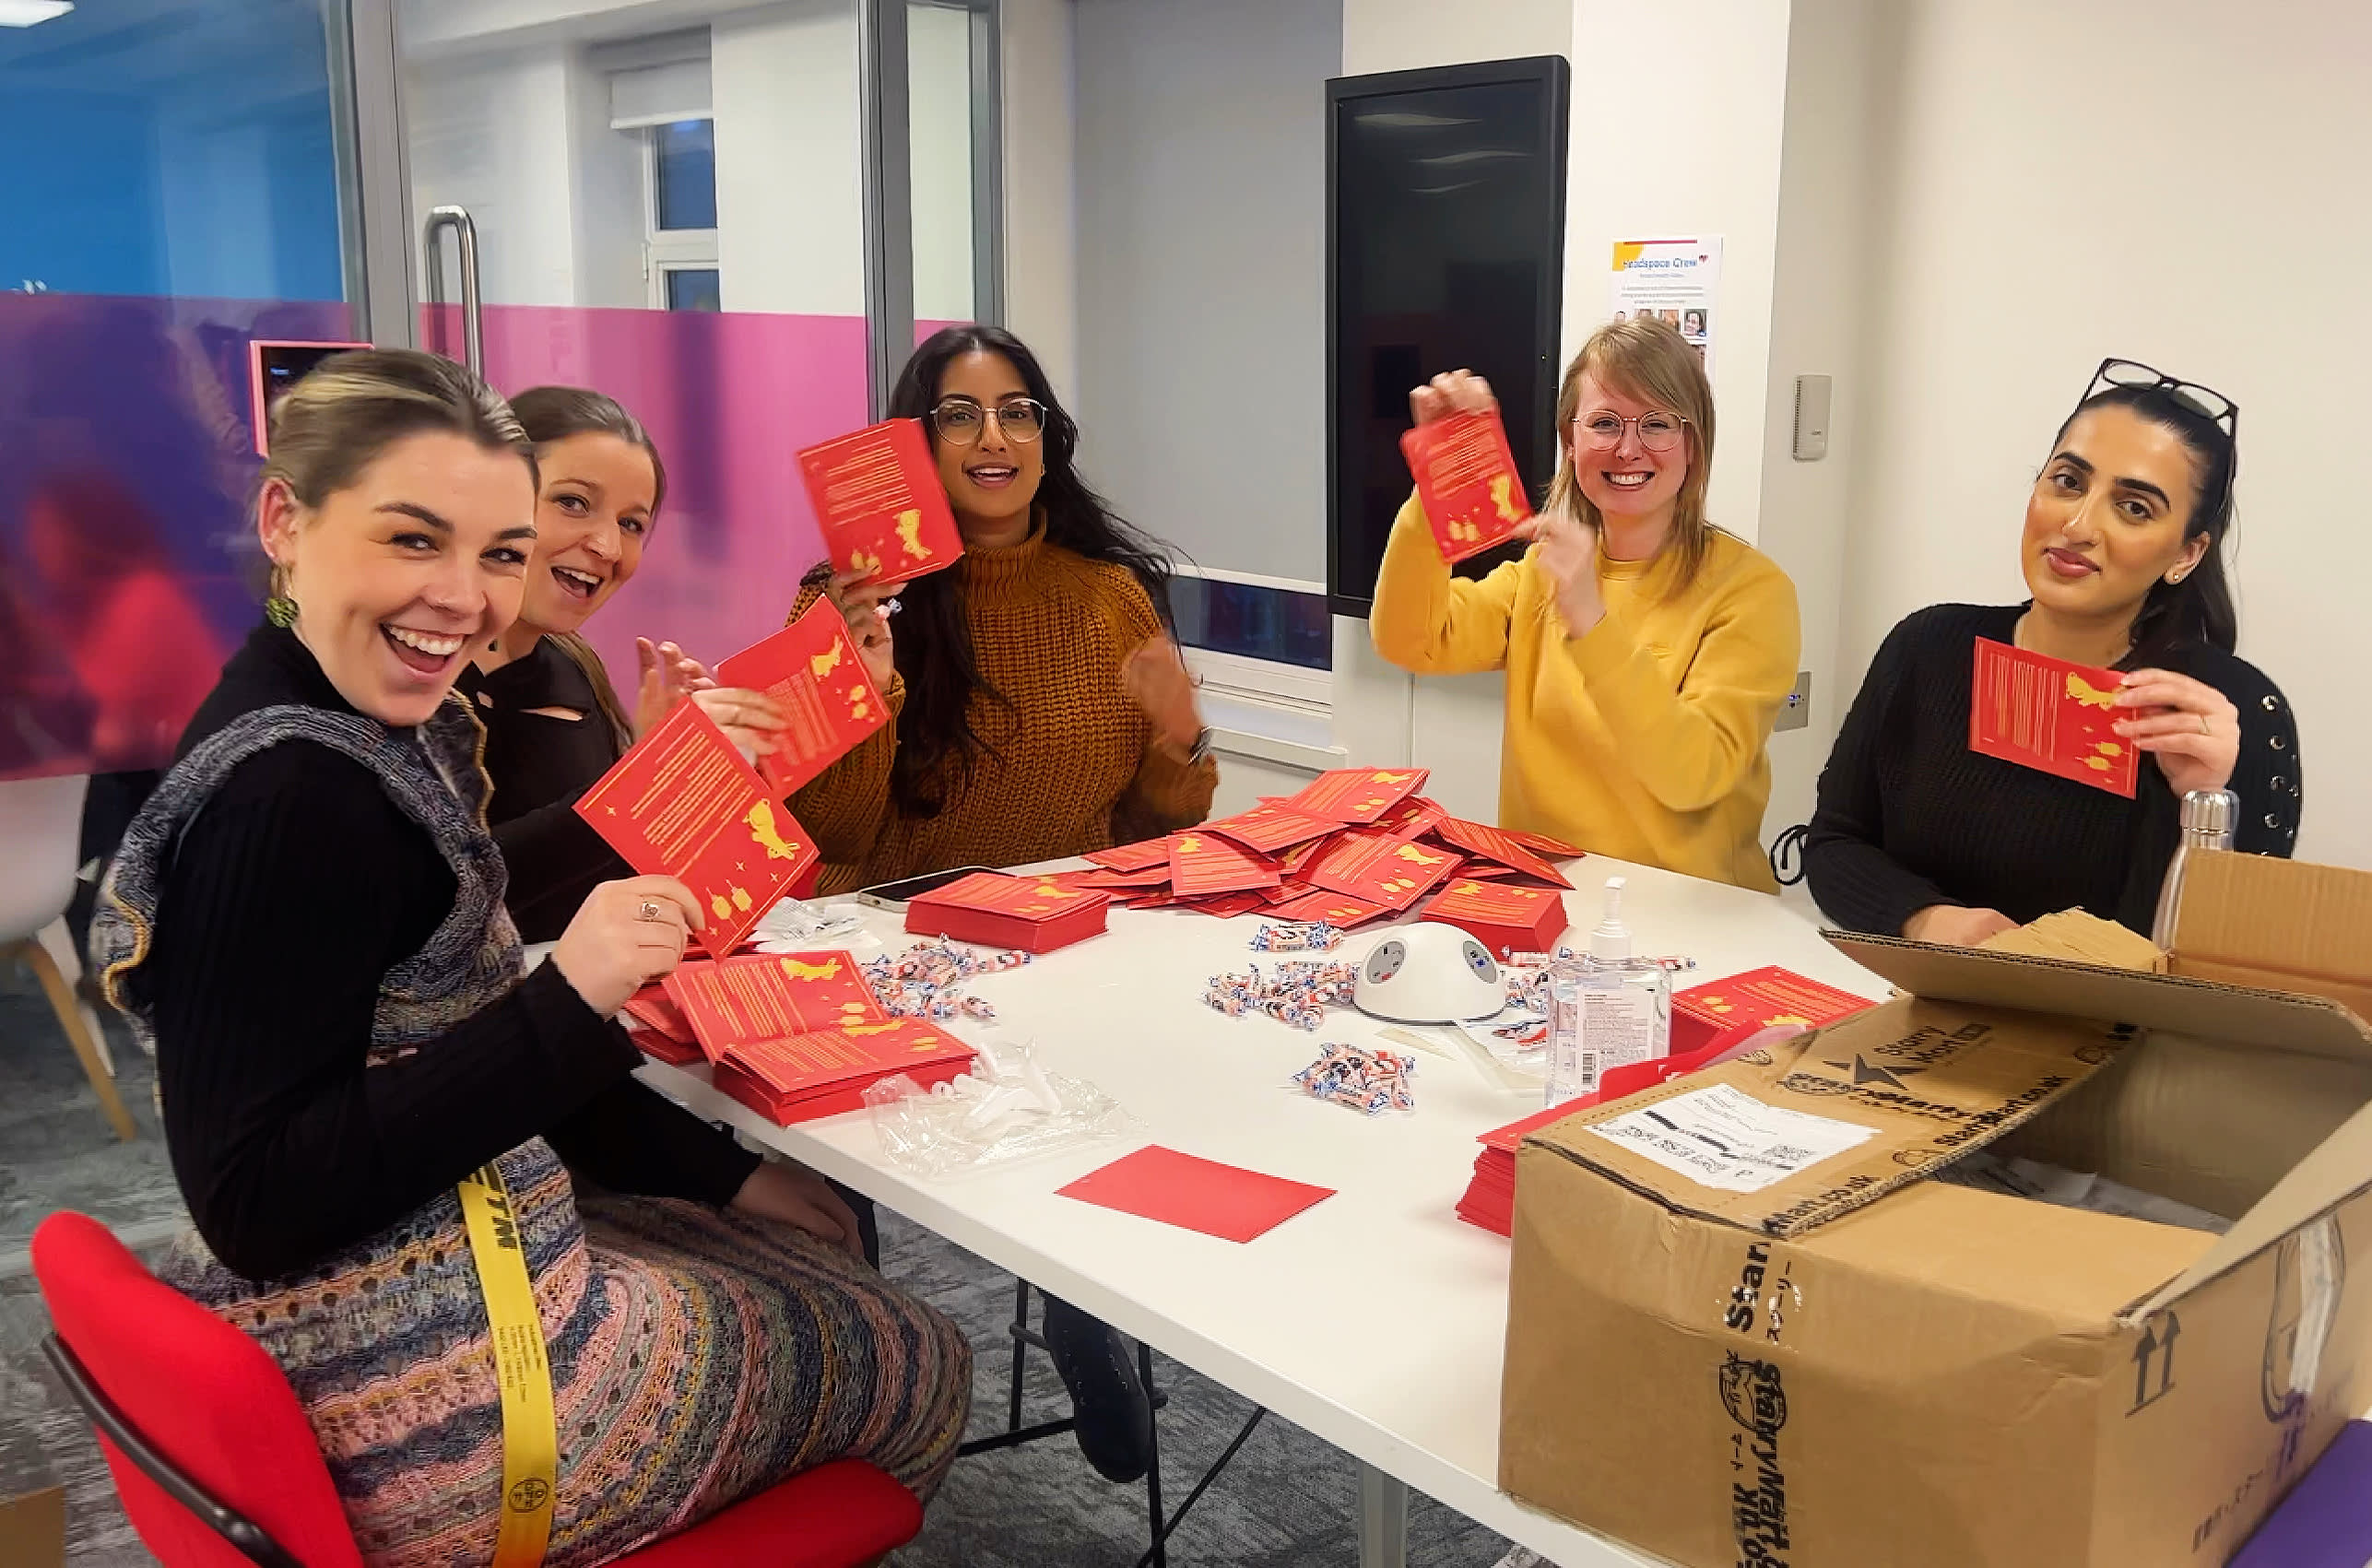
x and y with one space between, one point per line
1383 1519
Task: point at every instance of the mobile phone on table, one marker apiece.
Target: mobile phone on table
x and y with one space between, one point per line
896 895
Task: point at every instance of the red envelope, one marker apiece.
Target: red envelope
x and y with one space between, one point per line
1294 861
1138 856
1270 826
1541 843
1413 818
659 1048
1226 1201
2050 715
1740 1005
1357 795
650 1009
1466 476
682 803
1334 908
879 502
1375 866
1496 844
1227 906
827 1071
769 996
1202 864
811 670
1033 913
1503 918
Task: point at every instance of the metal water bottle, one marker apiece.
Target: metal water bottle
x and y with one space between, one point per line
2208 818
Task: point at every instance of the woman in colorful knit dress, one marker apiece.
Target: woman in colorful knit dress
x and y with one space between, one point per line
307 919
1043 711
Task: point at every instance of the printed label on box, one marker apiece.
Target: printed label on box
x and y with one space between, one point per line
1719 1137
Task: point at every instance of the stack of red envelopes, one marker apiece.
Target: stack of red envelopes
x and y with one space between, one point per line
1708 1020
1036 914
1358 844
792 1035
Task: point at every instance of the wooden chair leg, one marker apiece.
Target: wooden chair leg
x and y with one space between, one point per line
86 1050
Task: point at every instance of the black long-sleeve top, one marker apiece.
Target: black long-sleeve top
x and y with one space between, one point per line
541 764
1908 815
292 894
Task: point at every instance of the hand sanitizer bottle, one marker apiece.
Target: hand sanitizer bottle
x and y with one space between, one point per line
1607 1009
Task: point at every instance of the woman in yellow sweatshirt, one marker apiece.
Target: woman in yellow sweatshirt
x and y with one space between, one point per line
1647 653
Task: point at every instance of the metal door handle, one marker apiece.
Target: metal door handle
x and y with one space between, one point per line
457 218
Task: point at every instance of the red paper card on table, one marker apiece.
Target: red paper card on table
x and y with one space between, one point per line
1357 795
2051 716
879 502
1202 864
1227 906
650 1009
1033 913
1541 843
1226 1201
769 995
1498 845
1334 908
681 803
1466 476
659 1048
1503 918
811 670
1413 818
1373 864
1721 1011
826 1071
1137 856
1271 826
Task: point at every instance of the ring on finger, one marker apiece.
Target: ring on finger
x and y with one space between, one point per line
2204 727
650 910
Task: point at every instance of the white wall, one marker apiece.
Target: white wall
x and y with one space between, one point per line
491 132
2178 181
790 212
1408 35
1201 272
1041 260
938 132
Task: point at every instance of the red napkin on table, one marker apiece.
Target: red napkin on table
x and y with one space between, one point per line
2051 716
1226 1201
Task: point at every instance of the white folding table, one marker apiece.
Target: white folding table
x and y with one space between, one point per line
1376 1319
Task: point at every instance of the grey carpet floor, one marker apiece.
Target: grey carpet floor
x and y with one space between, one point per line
1288 1499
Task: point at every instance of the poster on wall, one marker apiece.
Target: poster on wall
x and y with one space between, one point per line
1676 281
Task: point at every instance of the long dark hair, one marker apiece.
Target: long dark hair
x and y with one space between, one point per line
2197 610
938 745
551 414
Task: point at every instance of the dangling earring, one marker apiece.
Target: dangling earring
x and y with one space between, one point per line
280 610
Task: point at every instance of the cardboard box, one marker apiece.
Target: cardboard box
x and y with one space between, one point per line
32 1503
1829 1360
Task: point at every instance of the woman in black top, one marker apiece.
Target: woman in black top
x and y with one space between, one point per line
1917 834
554 722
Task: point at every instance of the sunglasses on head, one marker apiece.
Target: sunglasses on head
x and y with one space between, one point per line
2203 400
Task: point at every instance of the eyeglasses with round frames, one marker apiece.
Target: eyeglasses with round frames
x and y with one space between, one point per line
961 420
1601 430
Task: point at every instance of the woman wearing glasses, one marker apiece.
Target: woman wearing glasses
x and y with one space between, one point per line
1041 710
2122 553
1647 652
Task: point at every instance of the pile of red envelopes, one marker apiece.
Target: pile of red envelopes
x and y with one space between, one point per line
792 1035
1358 844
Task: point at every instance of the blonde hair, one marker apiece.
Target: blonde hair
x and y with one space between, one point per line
350 408
1649 360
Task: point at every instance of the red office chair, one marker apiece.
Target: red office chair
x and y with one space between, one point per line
217 1468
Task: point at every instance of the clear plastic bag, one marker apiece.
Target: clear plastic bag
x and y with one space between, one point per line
794 927
1006 1109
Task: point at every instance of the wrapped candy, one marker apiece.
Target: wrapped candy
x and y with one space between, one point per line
1370 1081
927 981
1297 937
1296 994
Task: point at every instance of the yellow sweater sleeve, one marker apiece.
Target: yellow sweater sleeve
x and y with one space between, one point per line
1426 620
1690 746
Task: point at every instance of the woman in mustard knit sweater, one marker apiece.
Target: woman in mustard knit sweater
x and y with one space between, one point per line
1041 709
1647 653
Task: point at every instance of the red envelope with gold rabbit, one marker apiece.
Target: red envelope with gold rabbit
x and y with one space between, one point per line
811 670
1368 863
1363 795
681 803
880 504
760 996
1036 914
1466 476
2051 716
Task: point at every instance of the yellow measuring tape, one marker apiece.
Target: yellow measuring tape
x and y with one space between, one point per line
530 1435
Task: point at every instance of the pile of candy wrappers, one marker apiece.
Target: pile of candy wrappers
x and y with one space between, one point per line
926 980
1296 994
1298 937
1367 1080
